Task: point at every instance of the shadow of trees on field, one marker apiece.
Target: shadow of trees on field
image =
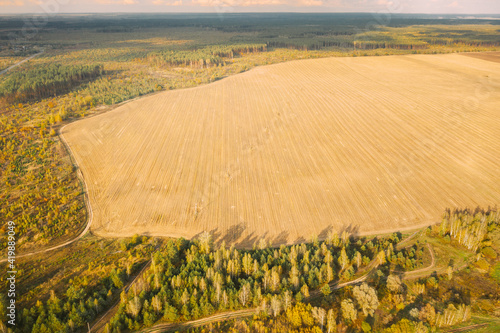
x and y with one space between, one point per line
233 233
234 236
282 238
250 240
353 230
299 240
324 233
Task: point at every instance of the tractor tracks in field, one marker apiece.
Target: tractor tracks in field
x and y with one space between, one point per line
90 211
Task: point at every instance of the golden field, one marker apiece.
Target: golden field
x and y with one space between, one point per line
287 151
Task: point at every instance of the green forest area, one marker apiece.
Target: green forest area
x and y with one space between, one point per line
89 64
443 276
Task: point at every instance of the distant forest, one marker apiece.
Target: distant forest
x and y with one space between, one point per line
246 21
292 30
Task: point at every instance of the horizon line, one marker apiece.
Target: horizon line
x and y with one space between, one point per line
243 12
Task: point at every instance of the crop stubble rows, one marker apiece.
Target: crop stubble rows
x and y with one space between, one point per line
293 149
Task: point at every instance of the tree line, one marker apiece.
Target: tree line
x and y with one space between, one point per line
204 57
46 81
469 228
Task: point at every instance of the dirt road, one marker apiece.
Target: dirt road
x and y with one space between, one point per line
89 212
20 62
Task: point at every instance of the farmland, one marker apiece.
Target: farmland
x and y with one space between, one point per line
361 144
89 64
238 132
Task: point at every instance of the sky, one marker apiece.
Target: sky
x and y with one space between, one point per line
210 6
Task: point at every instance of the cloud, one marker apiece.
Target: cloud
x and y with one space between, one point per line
12 3
248 3
167 2
116 2
309 3
374 6
238 3
384 3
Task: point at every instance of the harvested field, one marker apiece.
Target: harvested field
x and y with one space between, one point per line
294 149
490 56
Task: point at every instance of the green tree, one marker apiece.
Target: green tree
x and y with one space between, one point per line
325 290
366 327
170 313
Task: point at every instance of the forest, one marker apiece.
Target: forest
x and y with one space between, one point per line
204 57
342 283
47 81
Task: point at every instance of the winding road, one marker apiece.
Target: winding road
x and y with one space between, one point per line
100 323
418 272
195 323
87 203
